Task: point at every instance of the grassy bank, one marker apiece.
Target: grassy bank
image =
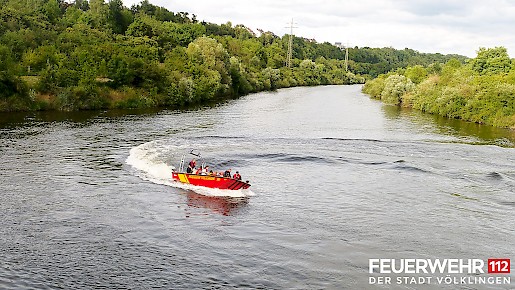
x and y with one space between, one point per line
482 90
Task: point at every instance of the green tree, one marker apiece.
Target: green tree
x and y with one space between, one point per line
81 4
99 13
71 16
239 76
10 84
40 58
209 62
492 61
143 25
118 18
416 73
52 11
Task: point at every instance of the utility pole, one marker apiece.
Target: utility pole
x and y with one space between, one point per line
340 46
290 44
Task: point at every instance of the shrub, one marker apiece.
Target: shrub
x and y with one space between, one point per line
395 87
374 87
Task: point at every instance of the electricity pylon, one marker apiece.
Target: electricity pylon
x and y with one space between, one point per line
347 57
290 44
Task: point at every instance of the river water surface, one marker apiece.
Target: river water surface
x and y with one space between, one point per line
337 179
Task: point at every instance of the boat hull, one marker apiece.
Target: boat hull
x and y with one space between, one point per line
210 181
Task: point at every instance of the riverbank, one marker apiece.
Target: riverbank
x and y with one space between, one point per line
60 56
481 91
100 95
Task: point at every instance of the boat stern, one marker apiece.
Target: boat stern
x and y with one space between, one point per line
181 177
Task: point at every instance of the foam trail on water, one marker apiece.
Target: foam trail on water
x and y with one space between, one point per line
148 158
213 191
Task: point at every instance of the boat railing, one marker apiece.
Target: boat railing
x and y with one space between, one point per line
181 165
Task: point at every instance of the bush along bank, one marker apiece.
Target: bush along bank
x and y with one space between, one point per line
481 90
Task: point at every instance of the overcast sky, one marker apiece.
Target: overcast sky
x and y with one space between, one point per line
445 26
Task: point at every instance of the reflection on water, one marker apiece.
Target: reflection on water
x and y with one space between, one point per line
14 118
221 205
454 127
75 116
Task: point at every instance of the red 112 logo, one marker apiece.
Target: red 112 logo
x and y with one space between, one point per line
499 266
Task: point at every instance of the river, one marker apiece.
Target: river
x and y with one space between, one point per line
337 179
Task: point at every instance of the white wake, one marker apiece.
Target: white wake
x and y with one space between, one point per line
149 160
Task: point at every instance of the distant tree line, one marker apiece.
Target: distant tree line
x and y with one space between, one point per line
372 62
97 54
482 90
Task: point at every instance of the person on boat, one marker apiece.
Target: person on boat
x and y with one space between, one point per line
204 170
191 166
227 173
237 176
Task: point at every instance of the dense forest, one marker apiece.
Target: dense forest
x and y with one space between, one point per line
481 91
90 55
371 62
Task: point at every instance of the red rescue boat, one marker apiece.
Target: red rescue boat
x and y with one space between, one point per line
210 181
207 180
